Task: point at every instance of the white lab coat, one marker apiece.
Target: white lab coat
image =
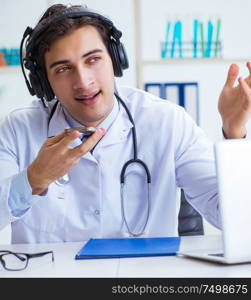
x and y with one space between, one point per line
176 151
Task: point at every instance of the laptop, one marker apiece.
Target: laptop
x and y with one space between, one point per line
233 167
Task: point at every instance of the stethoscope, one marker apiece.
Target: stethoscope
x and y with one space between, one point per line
135 160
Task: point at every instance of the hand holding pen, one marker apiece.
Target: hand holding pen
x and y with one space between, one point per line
55 158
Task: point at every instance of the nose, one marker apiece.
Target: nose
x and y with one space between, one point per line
83 78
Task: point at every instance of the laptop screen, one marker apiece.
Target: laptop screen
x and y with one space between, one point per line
233 166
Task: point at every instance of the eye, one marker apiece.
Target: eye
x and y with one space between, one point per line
62 69
93 59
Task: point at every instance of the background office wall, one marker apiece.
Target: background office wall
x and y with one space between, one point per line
142 45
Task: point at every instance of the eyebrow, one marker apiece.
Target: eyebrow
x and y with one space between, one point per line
60 62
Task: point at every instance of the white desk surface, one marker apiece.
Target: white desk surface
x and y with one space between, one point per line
165 266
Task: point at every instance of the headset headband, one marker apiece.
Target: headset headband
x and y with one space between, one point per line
72 12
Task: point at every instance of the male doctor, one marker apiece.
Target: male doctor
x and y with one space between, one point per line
58 185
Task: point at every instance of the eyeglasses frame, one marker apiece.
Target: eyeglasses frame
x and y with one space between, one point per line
28 256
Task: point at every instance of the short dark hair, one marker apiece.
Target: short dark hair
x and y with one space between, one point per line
64 27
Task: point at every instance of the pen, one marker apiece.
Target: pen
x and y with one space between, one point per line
81 129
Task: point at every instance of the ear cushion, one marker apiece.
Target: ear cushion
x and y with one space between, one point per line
122 56
49 94
41 85
115 59
119 57
36 86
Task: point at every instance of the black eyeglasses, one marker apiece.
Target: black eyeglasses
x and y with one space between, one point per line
16 261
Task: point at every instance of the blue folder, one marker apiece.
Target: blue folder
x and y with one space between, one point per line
129 247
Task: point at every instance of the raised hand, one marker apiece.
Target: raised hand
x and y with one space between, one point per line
235 103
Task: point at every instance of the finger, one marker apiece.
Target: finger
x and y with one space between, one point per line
68 138
245 87
232 75
88 144
249 67
55 139
248 78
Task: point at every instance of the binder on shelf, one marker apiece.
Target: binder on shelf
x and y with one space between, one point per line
129 247
155 89
185 94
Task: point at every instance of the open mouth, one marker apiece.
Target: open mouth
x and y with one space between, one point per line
88 99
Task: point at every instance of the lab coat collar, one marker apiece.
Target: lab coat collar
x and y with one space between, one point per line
58 122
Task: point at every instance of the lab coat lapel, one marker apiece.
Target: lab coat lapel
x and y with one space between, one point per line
118 131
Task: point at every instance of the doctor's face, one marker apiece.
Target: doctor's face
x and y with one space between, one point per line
80 71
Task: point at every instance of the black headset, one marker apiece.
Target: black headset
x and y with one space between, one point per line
38 83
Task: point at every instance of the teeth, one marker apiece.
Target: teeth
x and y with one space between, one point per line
87 98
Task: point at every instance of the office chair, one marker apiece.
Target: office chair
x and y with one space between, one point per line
190 221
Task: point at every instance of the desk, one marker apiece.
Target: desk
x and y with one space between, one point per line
166 266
